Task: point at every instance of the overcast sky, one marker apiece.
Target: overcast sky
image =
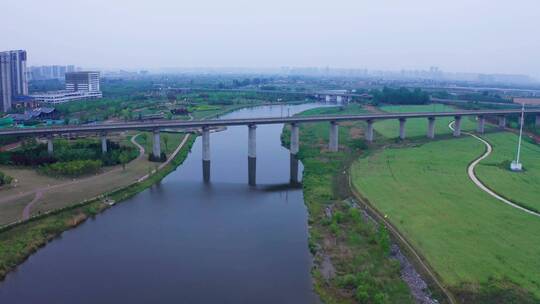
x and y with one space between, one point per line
491 36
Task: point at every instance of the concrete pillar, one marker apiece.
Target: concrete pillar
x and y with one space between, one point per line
252 154
156 148
103 143
431 127
294 170
481 124
369 131
295 147
206 153
502 122
457 126
333 144
402 128
50 148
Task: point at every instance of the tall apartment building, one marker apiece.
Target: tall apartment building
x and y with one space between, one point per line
82 81
13 82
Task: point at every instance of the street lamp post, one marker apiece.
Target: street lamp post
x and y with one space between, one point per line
516 165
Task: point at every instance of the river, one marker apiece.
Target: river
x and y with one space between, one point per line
185 241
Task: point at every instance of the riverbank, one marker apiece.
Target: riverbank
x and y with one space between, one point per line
354 258
20 240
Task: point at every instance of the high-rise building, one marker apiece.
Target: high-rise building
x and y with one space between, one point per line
82 81
13 81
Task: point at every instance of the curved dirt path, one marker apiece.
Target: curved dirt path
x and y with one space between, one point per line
39 192
476 180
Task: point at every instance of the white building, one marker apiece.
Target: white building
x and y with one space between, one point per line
64 96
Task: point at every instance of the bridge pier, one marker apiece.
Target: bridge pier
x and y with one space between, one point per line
252 154
206 153
431 127
502 122
333 144
402 128
480 128
103 142
156 145
369 131
457 126
50 147
294 151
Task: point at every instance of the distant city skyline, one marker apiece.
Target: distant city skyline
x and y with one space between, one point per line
491 37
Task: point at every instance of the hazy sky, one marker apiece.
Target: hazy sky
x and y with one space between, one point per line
492 36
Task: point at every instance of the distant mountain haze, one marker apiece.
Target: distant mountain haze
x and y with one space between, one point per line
487 36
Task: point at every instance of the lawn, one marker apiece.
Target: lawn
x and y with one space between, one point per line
522 188
417 127
467 236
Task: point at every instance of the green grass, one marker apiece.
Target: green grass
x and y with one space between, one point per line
522 188
147 143
357 248
467 236
417 127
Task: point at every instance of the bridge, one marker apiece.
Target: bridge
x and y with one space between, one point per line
251 123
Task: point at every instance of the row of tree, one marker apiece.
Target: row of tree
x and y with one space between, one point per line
400 96
34 154
72 168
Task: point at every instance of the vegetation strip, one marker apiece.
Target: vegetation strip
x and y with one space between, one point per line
476 180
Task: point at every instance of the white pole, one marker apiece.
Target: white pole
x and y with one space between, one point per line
520 131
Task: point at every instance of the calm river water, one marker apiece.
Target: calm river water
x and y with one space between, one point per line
184 241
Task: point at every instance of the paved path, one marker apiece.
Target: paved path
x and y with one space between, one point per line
476 180
173 155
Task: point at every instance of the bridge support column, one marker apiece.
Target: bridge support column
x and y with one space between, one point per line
402 128
333 144
156 147
252 155
457 126
294 139
294 151
431 127
50 147
206 153
369 131
481 124
502 122
103 143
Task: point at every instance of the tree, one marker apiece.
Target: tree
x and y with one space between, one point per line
124 159
144 137
166 141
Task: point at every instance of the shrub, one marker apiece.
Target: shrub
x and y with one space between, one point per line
72 168
5 179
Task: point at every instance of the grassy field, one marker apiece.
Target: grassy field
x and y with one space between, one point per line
522 188
357 248
480 247
168 146
417 127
